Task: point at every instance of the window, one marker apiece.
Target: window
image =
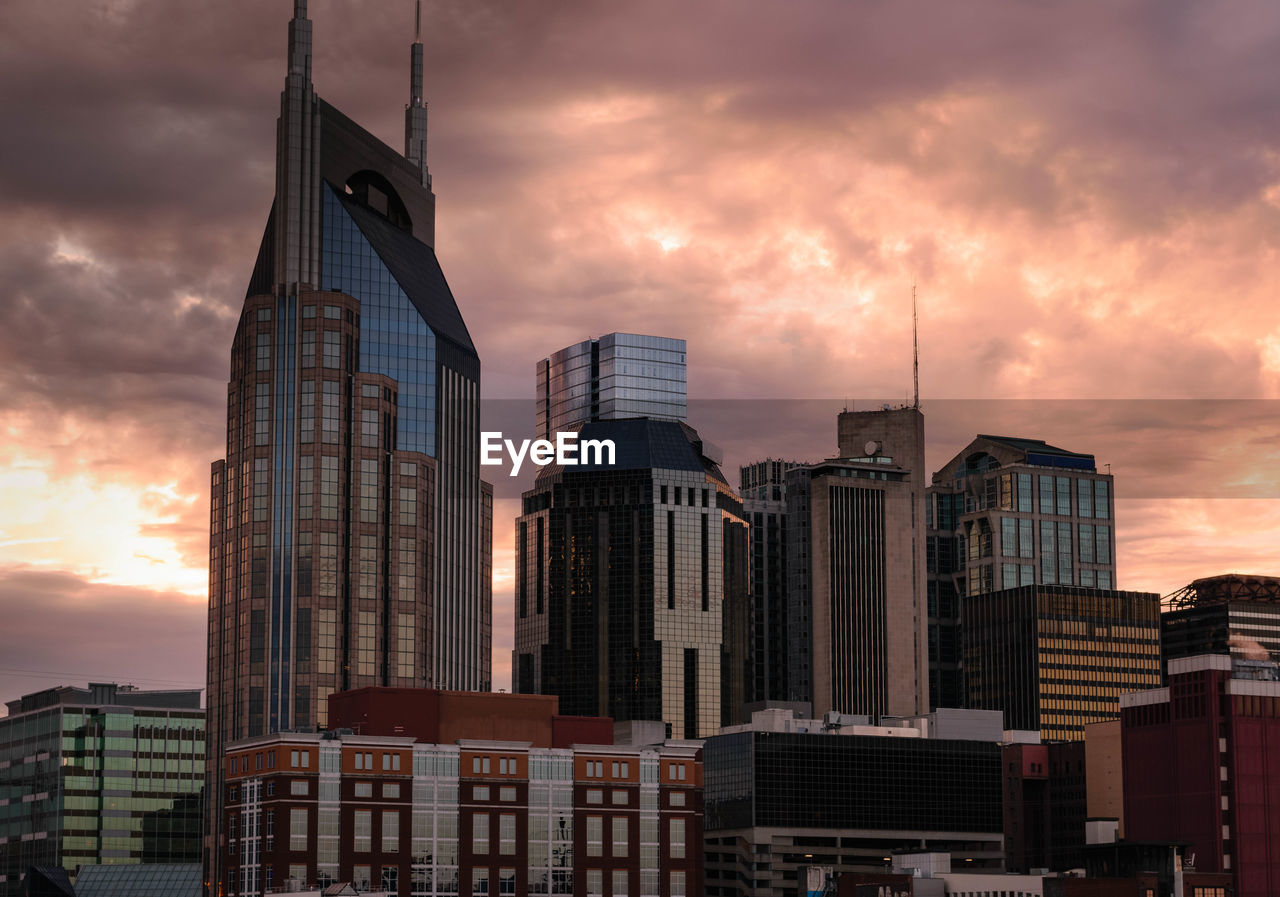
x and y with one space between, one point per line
595 883
507 794
298 787
1046 495
390 831
391 790
1024 493
620 836
507 833
595 836
1009 537
1086 541
677 798
360 874
480 833
619 798
1048 553
677 883
1064 496
1102 544
506 881
479 881
595 796
293 760
363 789
331 357
677 839
390 879
1101 499
298 828
480 792
362 826
1084 498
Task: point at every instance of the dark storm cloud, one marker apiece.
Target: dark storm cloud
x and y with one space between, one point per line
1088 194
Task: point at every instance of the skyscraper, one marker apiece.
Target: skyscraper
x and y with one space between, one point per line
349 525
1055 658
616 376
855 570
763 488
631 591
1008 512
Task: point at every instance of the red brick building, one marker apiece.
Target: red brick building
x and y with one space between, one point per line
535 813
1202 767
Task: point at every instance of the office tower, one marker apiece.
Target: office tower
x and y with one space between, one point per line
763 489
617 376
1009 512
1201 767
1055 658
104 774
453 810
783 793
855 570
348 523
631 582
1234 614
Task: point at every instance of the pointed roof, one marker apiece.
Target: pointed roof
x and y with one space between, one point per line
414 266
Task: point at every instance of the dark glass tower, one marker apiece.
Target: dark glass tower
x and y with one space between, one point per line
631 583
350 530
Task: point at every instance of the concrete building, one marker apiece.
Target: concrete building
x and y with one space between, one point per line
107 774
619 375
784 794
349 530
528 814
1104 775
1234 614
631 583
1008 512
856 571
1055 658
1202 767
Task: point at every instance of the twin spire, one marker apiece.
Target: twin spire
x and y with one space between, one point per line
415 113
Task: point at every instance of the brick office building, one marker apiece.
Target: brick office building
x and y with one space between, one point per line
1202 767
417 818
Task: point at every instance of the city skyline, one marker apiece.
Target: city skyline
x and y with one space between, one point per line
1091 219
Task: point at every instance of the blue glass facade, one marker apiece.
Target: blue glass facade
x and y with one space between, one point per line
394 340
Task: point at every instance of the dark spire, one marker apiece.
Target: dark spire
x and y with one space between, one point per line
415 113
297 206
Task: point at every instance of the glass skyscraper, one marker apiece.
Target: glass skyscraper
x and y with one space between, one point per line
617 376
350 529
99 775
1005 513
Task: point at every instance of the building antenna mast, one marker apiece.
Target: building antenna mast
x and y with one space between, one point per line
915 345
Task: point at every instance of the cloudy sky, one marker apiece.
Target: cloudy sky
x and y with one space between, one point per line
1087 194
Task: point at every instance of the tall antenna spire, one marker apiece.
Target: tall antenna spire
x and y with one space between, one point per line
300 41
415 114
915 346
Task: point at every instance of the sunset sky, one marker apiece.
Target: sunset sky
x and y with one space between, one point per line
1087 195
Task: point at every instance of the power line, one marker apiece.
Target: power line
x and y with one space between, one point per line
53 674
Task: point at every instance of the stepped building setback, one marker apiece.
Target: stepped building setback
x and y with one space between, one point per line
350 533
